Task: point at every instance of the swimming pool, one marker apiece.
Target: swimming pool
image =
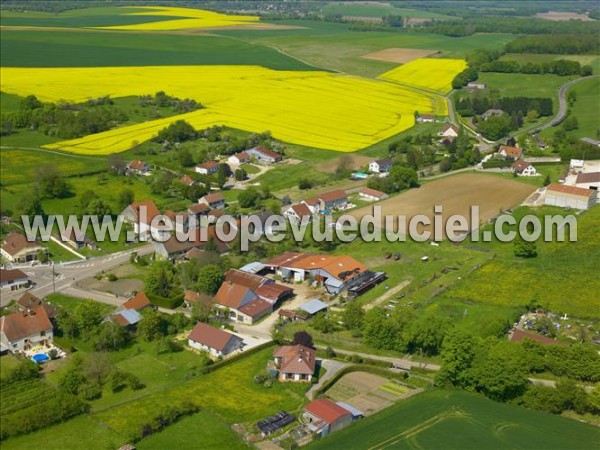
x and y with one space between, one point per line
40 358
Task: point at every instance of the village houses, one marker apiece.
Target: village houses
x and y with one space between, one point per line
17 249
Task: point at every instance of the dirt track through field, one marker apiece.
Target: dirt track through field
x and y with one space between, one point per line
456 194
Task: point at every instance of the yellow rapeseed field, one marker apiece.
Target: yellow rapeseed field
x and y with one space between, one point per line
188 18
315 109
428 73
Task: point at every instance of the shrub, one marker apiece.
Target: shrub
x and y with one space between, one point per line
112 277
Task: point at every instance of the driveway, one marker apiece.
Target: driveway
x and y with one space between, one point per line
332 367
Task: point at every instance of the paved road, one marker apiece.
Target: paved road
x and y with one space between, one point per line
68 274
562 102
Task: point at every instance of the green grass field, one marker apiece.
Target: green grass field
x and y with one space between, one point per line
459 420
89 48
587 109
507 280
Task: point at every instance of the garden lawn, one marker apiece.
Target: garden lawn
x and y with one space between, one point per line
229 391
587 109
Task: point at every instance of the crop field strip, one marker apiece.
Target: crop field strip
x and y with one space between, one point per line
427 73
353 112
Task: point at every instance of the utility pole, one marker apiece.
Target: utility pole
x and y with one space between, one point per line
53 276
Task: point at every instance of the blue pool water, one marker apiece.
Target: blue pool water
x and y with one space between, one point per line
40 358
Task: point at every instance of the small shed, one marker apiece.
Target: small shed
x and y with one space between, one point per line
314 306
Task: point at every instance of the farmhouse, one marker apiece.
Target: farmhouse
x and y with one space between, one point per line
589 180
217 342
425 118
324 416
239 158
380 166
476 86
372 194
214 200
187 180
137 167
524 169
76 240
492 113
141 215
17 249
21 331
449 131
14 279
138 302
295 363
203 238
514 153
28 301
263 154
335 273
207 168
298 213
328 201
569 196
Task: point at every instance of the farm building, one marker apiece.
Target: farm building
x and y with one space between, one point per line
449 130
173 248
476 86
214 200
524 169
24 330
137 167
372 194
324 416
589 180
425 118
314 306
14 279
17 249
207 168
213 340
242 303
380 166
335 273
514 153
127 318
295 363
263 154
190 298
239 158
570 196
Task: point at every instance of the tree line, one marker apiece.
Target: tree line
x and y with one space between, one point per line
555 44
561 67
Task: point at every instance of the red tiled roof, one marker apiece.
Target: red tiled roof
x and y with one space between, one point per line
268 152
301 210
16 242
137 164
326 410
210 336
30 301
19 325
296 359
338 194
312 201
246 279
273 292
151 210
208 165
511 151
590 177
520 335
231 295
520 166
372 192
138 301
214 197
255 307
6 276
242 156
573 190
187 180
198 297
199 208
